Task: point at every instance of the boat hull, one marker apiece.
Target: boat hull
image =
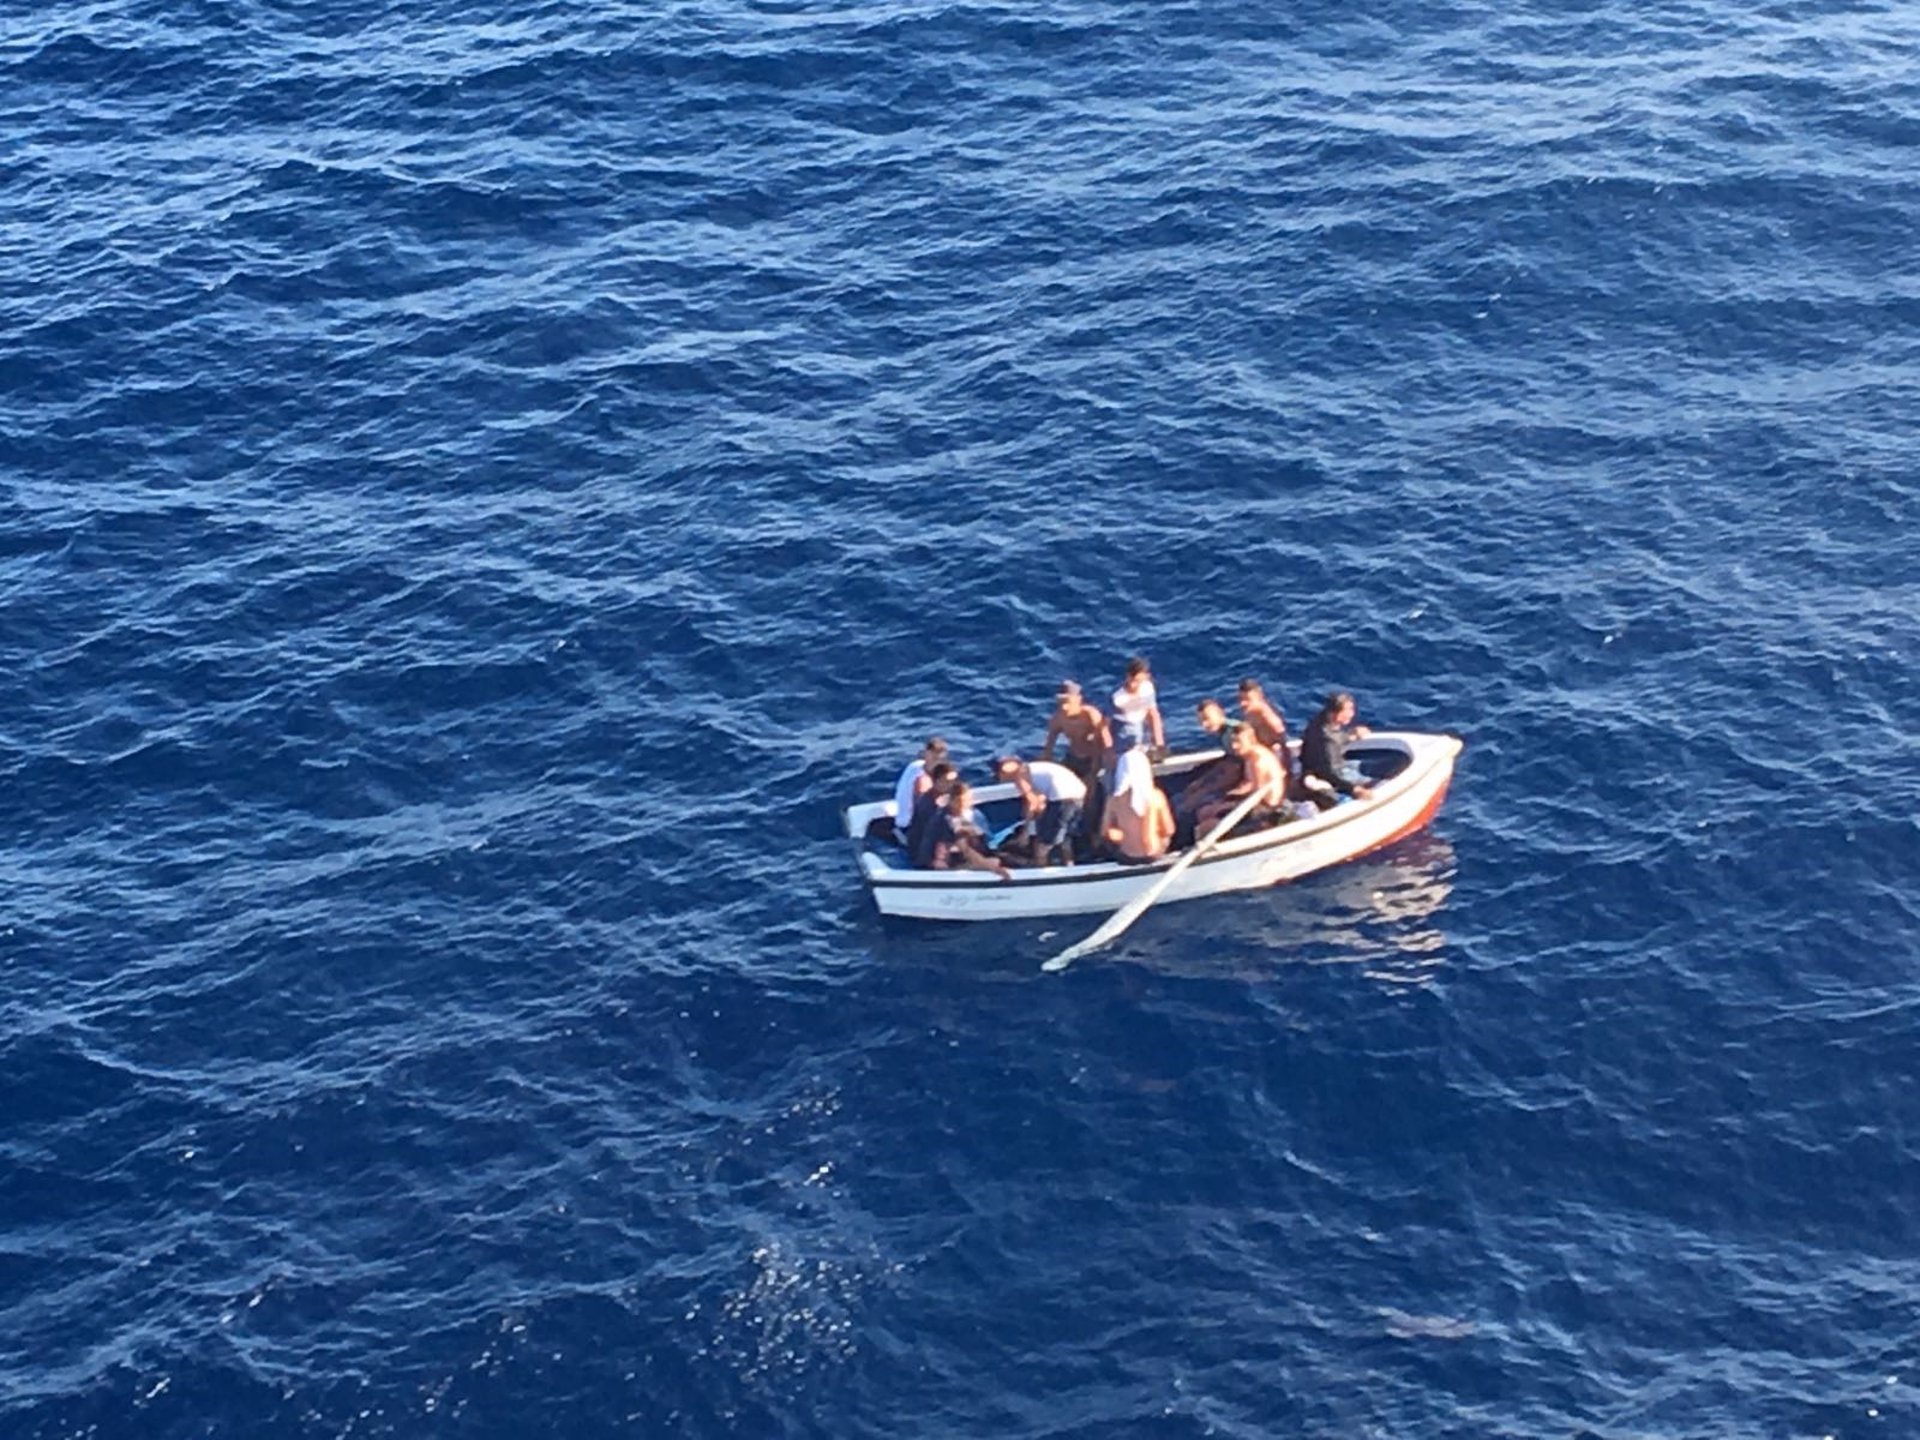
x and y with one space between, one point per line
1399 807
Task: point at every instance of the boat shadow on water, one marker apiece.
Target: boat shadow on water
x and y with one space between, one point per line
1384 914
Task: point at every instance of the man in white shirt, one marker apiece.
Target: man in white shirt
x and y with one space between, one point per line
1137 704
1051 797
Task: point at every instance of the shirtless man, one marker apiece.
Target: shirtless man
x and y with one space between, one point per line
1082 727
1262 772
1089 743
1139 822
1263 715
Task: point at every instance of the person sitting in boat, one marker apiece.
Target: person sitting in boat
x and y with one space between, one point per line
926 809
1051 800
959 839
1208 782
1260 770
1138 824
1089 746
1324 768
914 782
1221 726
1136 708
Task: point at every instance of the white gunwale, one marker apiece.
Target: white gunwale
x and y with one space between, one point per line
1399 805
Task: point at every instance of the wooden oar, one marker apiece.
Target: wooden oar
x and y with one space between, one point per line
1124 917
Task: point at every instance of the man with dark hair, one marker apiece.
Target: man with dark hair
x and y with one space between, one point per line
914 782
1084 729
1323 753
959 841
1207 783
1051 800
1263 715
926 809
1089 747
1260 770
1136 707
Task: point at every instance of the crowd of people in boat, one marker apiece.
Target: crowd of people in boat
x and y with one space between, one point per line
1101 801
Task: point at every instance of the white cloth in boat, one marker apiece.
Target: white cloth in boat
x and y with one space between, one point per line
1057 782
903 792
1133 780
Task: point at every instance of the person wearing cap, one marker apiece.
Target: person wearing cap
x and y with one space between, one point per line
1136 707
1052 799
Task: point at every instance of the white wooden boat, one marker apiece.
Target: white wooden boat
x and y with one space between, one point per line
1408 773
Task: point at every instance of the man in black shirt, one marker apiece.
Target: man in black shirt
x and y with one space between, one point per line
926 809
1323 752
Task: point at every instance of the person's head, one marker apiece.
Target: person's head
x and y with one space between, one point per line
943 776
1245 742
1138 672
1010 767
960 797
1251 692
1339 707
934 749
1213 715
1069 696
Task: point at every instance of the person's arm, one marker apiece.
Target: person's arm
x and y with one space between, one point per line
965 857
1157 728
1054 732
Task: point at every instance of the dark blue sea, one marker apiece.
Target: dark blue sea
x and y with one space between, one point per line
481 486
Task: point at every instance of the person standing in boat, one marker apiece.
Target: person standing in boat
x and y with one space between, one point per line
1089 747
1138 824
914 782
1052 798
1136 707
1264 716
1324 768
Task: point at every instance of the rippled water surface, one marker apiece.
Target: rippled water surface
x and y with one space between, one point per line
481 486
